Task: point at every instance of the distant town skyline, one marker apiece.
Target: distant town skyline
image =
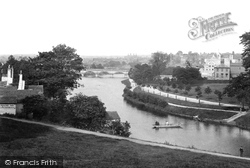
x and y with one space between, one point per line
115 28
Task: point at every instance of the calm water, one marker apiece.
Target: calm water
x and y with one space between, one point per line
209 137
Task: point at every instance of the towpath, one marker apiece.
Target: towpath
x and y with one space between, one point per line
138 141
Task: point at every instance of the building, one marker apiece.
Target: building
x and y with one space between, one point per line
112 116
11 96
222 66
221 73
209 64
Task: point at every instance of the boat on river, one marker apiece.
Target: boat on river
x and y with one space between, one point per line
166 126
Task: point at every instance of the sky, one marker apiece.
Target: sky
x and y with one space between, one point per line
116 27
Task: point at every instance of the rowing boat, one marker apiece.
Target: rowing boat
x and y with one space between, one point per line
167 126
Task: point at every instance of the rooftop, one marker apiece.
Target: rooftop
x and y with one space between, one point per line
112 115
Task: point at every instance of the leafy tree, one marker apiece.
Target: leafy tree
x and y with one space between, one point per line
240 86
174 85
197 89
121 129
36 105
18 64
141 73
245 41
57 70
159 62
208 90
219 95
86 112
188 88
180 86
188 75
93 66
199 94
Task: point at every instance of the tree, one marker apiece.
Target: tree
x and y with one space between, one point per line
174 85
121 129
37 105
180 86
188 75
188 88
197 89
245 41
208 90
219 95
141 73
57 70
86 112
240 86
159 62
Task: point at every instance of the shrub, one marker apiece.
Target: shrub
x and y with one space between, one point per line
174 85
36 105
176 91
121 129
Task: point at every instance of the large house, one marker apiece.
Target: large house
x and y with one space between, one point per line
11 96
222 66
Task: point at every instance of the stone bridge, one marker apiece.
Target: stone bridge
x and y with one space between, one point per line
105 73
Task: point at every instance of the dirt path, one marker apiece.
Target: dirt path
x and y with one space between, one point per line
138 141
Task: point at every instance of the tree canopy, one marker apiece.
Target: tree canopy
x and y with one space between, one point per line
159 62
141 73
86 112
240 86
58 70
188 75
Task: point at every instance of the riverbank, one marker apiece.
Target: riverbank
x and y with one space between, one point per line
85 150
213 115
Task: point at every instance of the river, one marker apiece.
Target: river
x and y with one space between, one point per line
193 134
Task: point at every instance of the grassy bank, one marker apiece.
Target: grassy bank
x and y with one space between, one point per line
186 103
81 150
134 99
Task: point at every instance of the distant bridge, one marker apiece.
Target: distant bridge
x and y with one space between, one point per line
105 73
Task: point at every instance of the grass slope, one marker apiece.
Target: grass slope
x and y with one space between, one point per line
81 150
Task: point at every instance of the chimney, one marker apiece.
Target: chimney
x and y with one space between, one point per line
20 83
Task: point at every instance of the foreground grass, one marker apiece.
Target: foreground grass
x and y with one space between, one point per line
82 150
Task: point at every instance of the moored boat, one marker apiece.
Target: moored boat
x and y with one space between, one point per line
167 126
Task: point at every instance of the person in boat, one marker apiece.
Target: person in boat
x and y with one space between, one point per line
157 123
167 123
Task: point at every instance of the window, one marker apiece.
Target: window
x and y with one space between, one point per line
217 75
221 75
221 69
226 75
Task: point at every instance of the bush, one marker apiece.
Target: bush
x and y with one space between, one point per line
168 90
174 85
36 106
176 91
121 129
86 112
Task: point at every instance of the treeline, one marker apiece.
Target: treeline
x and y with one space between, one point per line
145 98
80 111
158 65
205 115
